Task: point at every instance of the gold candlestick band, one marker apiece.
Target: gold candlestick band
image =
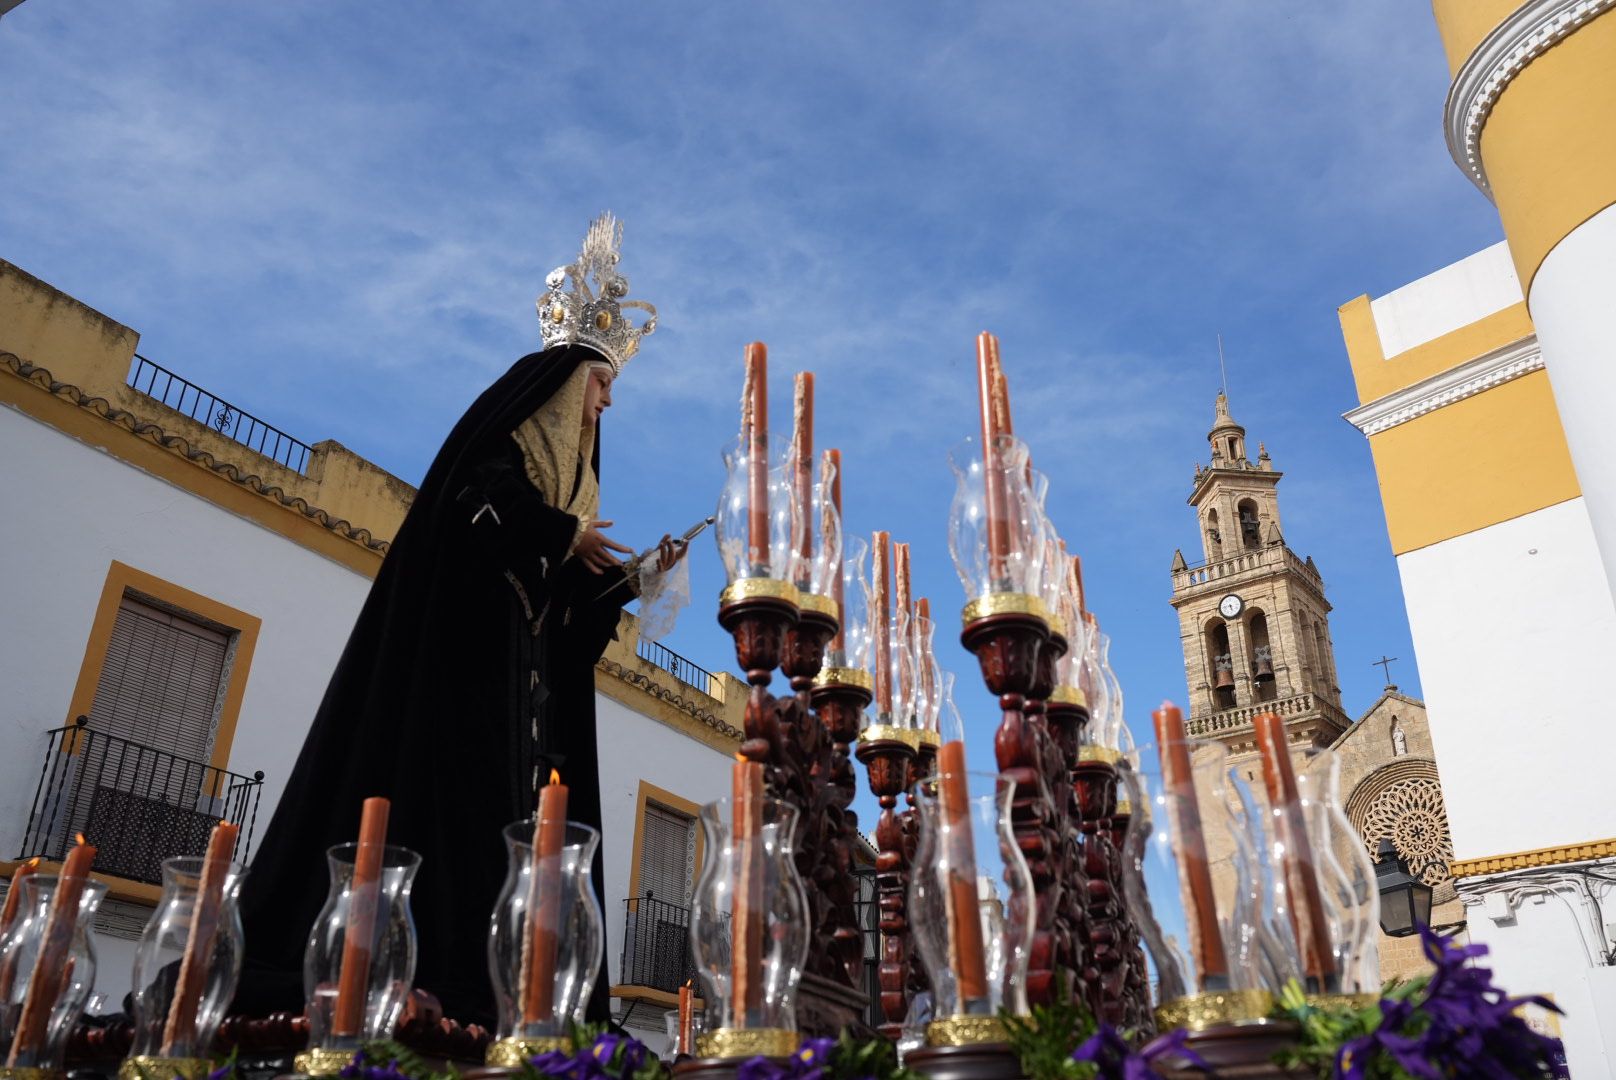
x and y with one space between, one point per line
746 1043
322 1061
753 588
1106 755
1124 808
910 737
30 1072
1004 603
1214 1007
151 1067
824 605
965 1031
1069 695
844 676
513 1052
929 738
1355 1002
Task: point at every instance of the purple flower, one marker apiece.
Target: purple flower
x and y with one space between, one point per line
1114 1059
607 1048
228 1069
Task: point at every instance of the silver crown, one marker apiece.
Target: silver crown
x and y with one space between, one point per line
577 314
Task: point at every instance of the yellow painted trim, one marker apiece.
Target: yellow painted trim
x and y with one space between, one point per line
649 792
118 888
167 464
1378 375
1548 147
122 578
1474 463
1525 860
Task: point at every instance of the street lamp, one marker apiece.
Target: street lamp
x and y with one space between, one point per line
1405 900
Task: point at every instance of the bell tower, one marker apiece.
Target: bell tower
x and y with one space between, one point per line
1253 620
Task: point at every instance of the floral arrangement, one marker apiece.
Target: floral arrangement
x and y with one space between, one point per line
1062 1042
845 1058
604 1055
1449 1023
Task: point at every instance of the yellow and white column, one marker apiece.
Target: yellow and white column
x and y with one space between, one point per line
1531 119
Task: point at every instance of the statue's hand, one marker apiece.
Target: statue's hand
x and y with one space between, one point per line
669 552
595 549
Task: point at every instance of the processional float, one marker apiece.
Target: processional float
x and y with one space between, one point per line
1150 884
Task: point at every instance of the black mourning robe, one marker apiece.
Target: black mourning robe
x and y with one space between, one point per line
471 666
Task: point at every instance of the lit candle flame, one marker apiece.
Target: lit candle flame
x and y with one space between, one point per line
555 777
80 838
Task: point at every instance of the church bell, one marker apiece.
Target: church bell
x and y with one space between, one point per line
1263 668
1225 676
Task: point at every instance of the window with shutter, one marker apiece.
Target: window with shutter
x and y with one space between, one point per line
161 681
667 854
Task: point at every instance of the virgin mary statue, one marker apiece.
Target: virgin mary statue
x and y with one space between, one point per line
469 674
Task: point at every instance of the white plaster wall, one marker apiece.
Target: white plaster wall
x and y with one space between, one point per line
1515 632
1440 303
67 510
1541 952
634 747
1573 303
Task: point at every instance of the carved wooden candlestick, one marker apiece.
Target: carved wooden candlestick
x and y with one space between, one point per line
890 755
1009 635
1094 777
1136 977
774 625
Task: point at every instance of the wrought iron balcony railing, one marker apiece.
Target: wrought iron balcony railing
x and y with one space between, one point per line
138 805
686 671
183 396
656 945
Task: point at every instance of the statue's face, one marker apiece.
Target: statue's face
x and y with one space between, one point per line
597 394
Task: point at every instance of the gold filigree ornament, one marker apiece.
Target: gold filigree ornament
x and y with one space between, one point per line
1104 754
1355 1002
1004 603
746 1043
30 1072
1202 1011
321 1061
910 737
1068 695
151 1067
965 1031
844 676
819 604
514 1052
760 588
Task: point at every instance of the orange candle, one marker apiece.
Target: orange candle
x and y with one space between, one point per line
748 922
1077 584
928 685
687 1016
963 906
881 622
802 465
179 1030
364 903
902 611
1301 879
994 400
831 466
8 914
755 426
54 966
543 930
1179 784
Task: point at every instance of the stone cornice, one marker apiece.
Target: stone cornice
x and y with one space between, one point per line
1530 31
1526 860
1444 388
688 712
43 380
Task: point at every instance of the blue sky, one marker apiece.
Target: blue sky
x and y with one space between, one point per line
338 216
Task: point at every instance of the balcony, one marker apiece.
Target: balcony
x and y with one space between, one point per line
1240 718
183 396
686 671
1264 559
138 805
656 945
